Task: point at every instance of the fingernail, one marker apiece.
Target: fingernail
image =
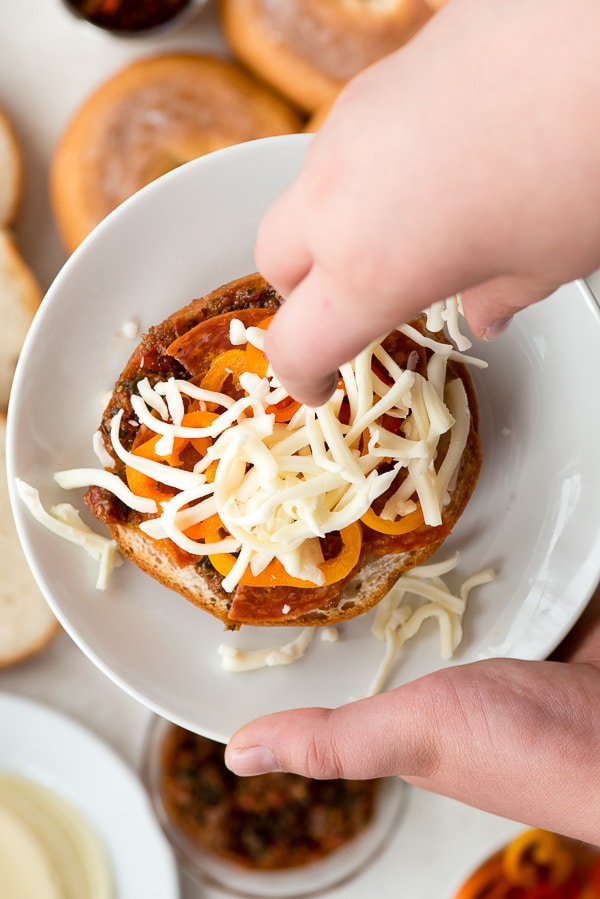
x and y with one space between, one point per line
251 760
323 390
497 327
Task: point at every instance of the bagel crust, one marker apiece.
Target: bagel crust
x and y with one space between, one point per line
383 558
11 171
149 118
308 49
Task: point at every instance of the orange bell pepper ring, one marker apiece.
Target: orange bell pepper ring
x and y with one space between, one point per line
231 363
534 851
275 575
487 882
205 530
199 419
257 361
143 485
391 526
285 410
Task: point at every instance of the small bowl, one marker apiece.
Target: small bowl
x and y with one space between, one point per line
534 859
130 19
250 879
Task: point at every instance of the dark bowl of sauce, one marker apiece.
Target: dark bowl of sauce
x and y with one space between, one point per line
131 18
277 834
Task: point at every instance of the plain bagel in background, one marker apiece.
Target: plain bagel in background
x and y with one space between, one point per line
150 117
308 49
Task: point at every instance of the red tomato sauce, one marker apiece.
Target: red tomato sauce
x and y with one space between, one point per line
128 15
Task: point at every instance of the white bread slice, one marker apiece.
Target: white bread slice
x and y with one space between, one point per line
11 171
20 296
27 623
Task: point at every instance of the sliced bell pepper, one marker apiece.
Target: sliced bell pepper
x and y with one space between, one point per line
205 530
257 361
275 575
141 484
531 853
388 526
231 363
199 419
487 881
285 410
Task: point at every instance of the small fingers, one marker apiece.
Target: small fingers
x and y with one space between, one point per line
319 327
280 251
490 307
354 741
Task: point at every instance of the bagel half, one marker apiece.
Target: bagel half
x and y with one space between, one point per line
146 120
188 346
308 49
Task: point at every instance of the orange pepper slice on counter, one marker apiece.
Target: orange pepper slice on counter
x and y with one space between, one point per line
388 526
487 882
533 851
535 865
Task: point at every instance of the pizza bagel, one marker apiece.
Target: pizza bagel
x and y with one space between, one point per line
263 511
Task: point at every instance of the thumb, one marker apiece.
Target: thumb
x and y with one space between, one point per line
318 328
420 730
518 739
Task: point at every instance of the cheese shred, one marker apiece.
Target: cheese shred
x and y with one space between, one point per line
278 484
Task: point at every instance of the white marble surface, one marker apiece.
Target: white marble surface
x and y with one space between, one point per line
48 65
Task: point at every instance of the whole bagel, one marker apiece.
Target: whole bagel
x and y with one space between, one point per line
308 49
149 118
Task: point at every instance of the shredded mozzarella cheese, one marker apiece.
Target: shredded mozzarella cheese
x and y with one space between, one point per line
277 487
447 312
235 659
395 622
64 521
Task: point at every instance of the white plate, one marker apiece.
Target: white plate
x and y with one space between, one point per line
45 746
533 516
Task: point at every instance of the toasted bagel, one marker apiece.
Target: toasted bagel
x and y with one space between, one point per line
308 49
188 346
149 118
